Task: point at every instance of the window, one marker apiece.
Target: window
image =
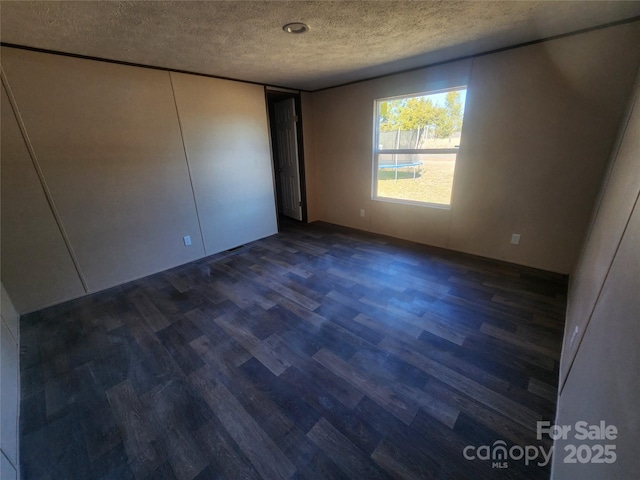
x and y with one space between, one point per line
415 146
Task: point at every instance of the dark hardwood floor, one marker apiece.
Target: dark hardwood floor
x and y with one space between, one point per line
318 353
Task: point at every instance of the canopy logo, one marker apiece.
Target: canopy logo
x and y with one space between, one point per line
500 455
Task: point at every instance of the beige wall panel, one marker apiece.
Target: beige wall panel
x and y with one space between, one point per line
10 386
108 140
410 222
539 126
9 313
37 268
619 195
9 394
343 154
7 471
423 80
604 383
226 137
343 141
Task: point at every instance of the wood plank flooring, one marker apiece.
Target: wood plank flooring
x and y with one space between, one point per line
318 353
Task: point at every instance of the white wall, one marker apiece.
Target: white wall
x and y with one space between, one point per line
115 195
539 124
226 139
600 380
9 390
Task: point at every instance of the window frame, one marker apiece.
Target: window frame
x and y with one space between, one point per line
415 151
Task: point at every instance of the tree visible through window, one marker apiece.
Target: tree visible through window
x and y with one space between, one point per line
416 145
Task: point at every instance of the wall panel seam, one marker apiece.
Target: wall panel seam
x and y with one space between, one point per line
614 158
41 178
186 158
9 460
13 338
595 304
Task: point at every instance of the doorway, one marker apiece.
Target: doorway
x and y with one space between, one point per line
285 124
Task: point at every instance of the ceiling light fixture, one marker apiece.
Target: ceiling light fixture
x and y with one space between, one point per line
296 27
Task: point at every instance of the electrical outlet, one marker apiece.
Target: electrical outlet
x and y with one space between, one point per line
187 240
362 212
515 239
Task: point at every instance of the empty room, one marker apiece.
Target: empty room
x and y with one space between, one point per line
320 240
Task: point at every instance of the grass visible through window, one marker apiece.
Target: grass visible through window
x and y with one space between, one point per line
416 145
432 183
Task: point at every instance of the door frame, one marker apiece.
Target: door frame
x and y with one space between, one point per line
272 96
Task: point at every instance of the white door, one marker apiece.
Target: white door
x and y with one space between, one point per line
287 161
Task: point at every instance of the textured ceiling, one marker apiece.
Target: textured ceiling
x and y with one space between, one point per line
348 41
